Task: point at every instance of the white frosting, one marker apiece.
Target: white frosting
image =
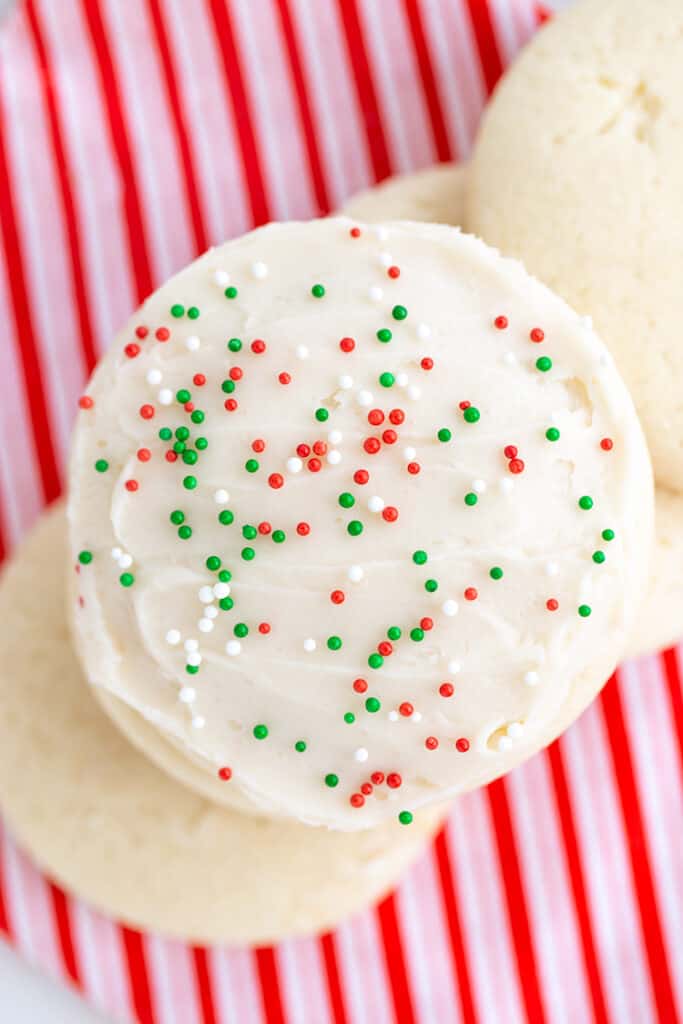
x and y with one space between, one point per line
515 671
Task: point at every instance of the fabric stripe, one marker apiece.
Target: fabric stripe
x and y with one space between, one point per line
100 955
134 950
455 930
516 904
395 959
491 62
674 687
413 10
303 985
270 985
62 915
204 985
334 988
236 984
363 970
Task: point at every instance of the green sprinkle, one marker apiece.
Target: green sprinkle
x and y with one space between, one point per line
177 517
375 660
346 500
544 363
235 344
300 746
192 669
178 447
226 603
586 502
184 532
230 292
419 557
193 313
399 312
317 291
552 434
126 579
249 532
431 586
241 630
608 535
228 386
190 457
213 563
387 379
85 557
225 575
496 573
201 443
197 416
471 498
248 554
177 310
101 465
394 633
182 433
334 643
183 396
372 705
405 817
321 415
260 732
251 465
226 517
165 434
384 335
444 434
471 414
331 780
279 536
355 527
189 482
584 610
349 718
599 557
417 634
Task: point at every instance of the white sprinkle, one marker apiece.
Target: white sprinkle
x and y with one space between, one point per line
206 595
393 716
335 437
309 644
221 496
222 278
409 454
454 667
355 573
414 392
416 716
211 611
552 568
360 755
294 465
187 694
375 503
334 457
259 269
509 358
531 678
191 644
376 293
165 396
221 590
424 331
402 380
450 607
154 376
125 561
515 730
364 397
385 259
192 343
173 637
233 648
506 485
479 486
381 232
198 722
116 553
345 382
205 625
194 658
302 352
504 743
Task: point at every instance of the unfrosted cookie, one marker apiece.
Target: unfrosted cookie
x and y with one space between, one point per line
109 825
578 171
434 194
437 195
362 516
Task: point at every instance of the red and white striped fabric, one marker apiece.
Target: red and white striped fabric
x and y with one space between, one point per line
132 136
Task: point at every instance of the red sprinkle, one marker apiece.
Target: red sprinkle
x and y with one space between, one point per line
500 322
397 416
132 350
464 405
462 745
320 448
258 346
375 417
394 272
361 476
394 780
406 709
426 624
258 445
390 514
264 628
235 373
284 378
171 456
471 594
315 465
510 451
147 412
357 800
199 380
447 689
389 436
276 480
431 743
230 404
189 407
413 467
303 529
355 232
377 778
372 445
385 648
516 466
427 363
552 605
141 332
303 450
264 528
347 344
131 485
337 597
225 774
607 444
366 788
537 335
144 454
360 685
85 402
162 334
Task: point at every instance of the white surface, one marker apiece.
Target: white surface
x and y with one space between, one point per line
27 997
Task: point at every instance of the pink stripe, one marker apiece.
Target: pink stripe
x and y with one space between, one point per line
101 958
29 911
363 970
236 986
172 980
302 973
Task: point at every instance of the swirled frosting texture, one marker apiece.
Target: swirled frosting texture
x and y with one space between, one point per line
347 540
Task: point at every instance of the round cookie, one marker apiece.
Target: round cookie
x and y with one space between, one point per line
328 480
578 171
435 195
110 826
438 195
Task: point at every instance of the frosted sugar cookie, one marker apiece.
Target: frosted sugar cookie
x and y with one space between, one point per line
434 195
362 517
